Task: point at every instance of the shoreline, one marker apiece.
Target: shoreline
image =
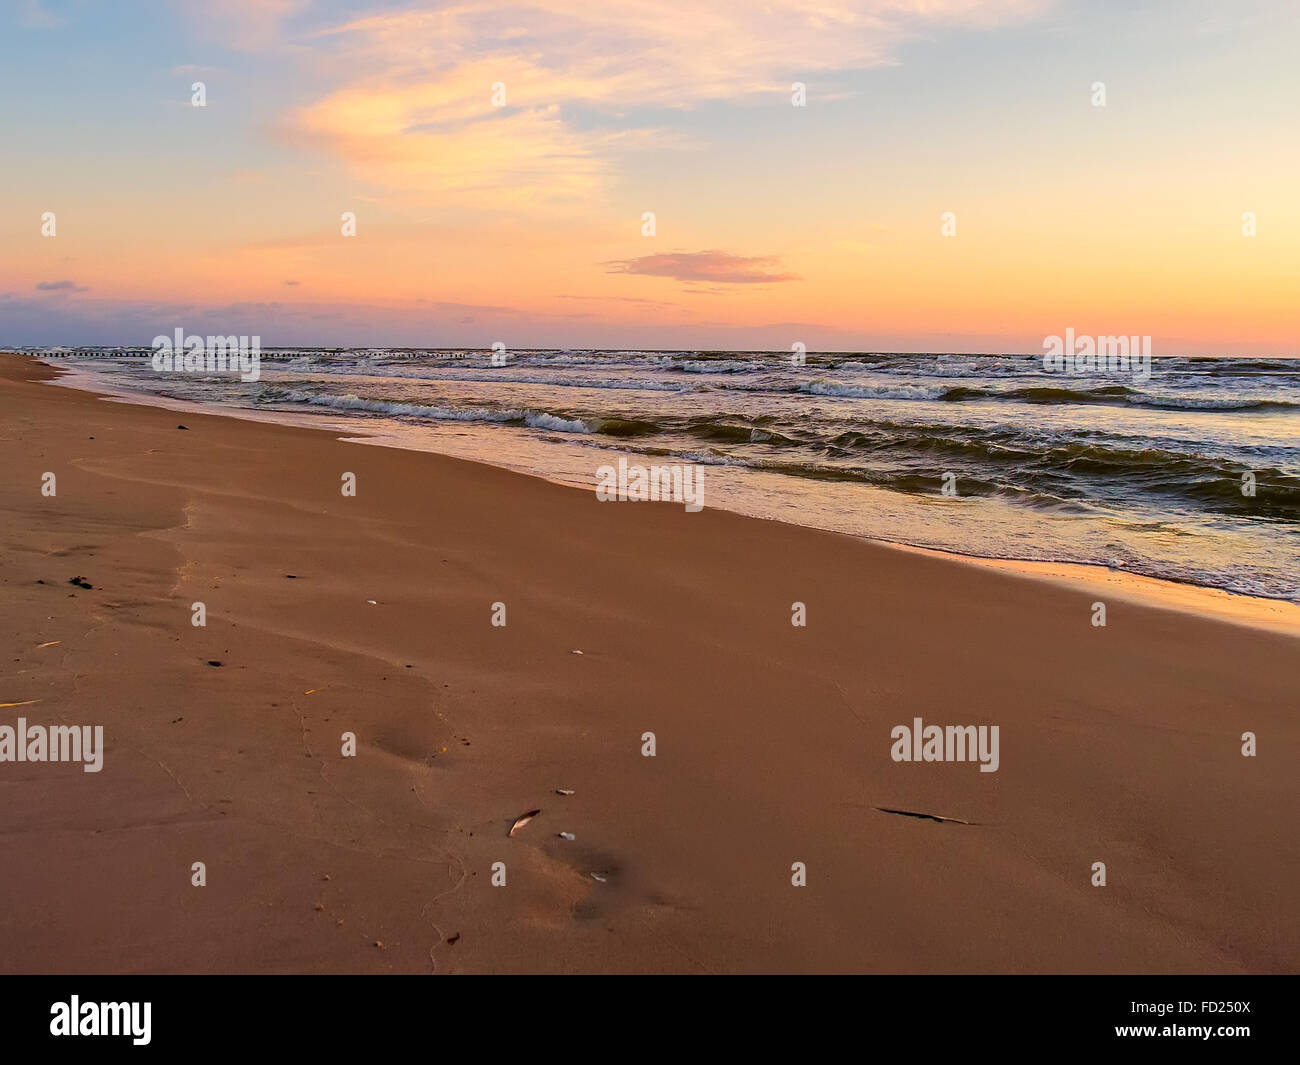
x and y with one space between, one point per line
1274 615
369 617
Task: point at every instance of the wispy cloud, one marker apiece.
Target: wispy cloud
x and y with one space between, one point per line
60 286
248 25
714 267
418 116
33 15
428 140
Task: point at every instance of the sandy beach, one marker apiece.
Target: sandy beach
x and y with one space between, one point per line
223 744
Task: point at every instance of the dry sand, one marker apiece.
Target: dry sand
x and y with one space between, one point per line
1119 744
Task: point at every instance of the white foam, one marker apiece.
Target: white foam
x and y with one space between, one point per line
406 410
542 420
533 419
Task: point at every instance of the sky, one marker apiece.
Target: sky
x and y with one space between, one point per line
954 175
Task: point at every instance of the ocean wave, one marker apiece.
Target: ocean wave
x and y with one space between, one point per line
717 366
394 409
830 388
1114 395
1167 402
625 427
556 424
730 432
1041 394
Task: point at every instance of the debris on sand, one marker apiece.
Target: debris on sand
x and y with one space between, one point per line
80 582
925 817
522 820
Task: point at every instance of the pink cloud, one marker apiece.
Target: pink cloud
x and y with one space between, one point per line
715 267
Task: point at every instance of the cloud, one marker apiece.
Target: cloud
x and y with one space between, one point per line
417 114
32 15
627 53
714 267
427 140
248 25
60 286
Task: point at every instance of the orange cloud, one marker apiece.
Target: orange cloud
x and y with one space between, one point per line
419 118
